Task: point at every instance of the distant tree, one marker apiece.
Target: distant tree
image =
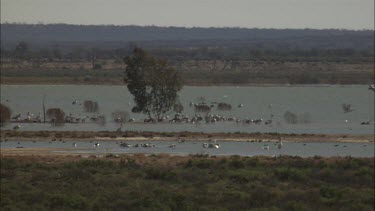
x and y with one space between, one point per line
21 50
56 52
93 57
152 82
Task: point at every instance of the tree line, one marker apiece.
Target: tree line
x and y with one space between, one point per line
28 51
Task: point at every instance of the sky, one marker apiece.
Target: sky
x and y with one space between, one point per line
317 14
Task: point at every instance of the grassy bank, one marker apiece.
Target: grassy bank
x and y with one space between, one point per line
194 72
162 182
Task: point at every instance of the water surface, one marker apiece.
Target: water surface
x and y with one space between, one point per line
321 103
195 147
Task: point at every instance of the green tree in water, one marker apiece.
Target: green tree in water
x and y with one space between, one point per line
152 82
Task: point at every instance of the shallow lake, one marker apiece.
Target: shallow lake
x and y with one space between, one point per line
320 106
195 147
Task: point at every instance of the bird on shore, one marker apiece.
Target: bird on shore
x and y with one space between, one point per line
74 144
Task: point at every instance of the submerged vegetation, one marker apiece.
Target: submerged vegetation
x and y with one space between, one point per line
57 116
160 182
4 114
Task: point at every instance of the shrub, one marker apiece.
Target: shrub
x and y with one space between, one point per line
90 106
224 106
290 118
67 202
56 115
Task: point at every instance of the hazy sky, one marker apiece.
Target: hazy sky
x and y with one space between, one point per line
348 14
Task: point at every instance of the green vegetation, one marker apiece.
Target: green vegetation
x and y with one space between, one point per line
160 182
152 82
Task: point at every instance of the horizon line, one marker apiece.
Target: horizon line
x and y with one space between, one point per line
187 27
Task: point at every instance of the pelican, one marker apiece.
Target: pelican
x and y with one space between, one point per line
96 144
211 145
180 140
268 122
17 117
74 144
266 147
280 144
371 87
240 105
16 127
173 146
366 123
125 145
75 102
215 145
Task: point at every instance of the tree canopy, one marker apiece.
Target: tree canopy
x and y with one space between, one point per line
152 82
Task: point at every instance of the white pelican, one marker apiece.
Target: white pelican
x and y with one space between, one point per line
266 147
280 143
